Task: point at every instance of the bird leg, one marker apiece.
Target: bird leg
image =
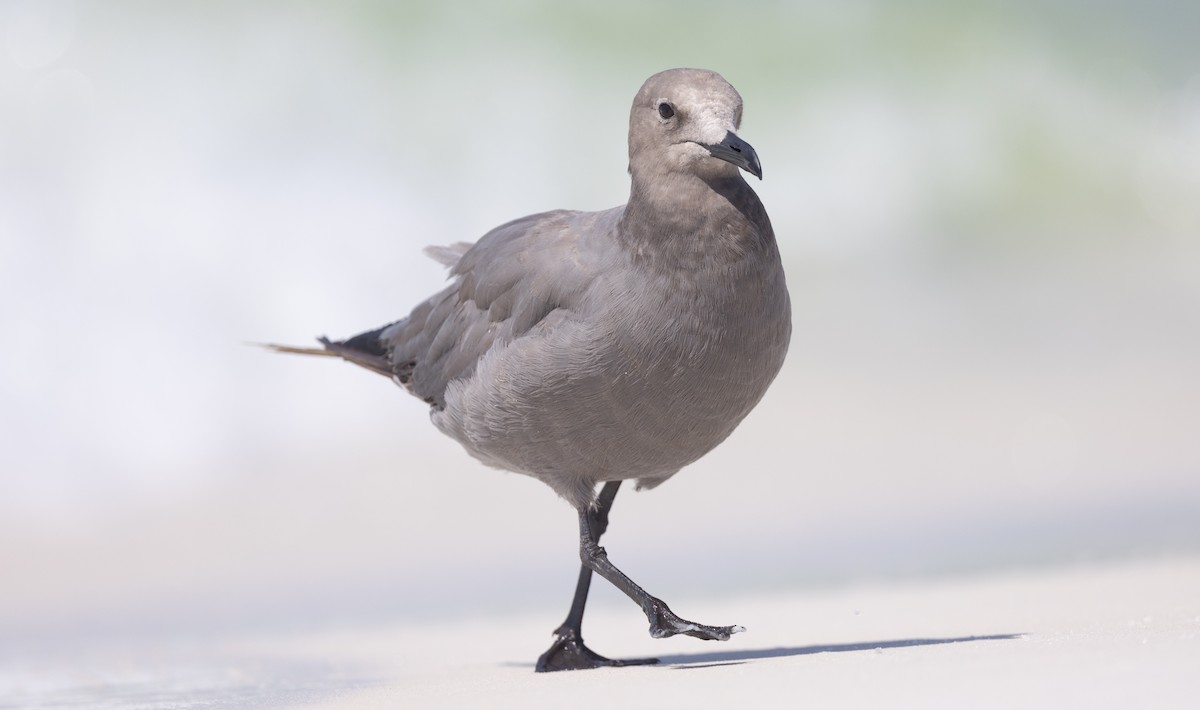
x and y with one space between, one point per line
663 621
568 651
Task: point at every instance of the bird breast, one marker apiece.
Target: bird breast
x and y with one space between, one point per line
579 403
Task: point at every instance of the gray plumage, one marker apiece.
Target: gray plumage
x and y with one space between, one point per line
587 347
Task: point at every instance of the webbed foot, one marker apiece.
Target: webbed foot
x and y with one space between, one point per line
568 653
664 623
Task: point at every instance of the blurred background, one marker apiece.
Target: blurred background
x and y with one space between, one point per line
989 213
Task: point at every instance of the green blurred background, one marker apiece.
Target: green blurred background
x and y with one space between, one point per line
989 212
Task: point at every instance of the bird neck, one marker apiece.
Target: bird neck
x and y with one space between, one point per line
665 215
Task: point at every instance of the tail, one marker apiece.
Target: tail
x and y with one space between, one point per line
295 350
363 350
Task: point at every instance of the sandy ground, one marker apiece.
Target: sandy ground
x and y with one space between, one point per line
1115 635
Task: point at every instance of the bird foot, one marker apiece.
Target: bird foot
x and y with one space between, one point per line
664 623
568 653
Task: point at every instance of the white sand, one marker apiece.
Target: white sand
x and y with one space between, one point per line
1120 635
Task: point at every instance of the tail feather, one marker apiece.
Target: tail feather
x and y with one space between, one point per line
375 361
273 347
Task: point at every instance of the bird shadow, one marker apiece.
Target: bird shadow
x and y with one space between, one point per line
722 658
691 661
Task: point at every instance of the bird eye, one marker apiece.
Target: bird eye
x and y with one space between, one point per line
665 110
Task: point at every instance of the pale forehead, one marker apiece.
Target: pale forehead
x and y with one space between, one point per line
716 98
693 89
